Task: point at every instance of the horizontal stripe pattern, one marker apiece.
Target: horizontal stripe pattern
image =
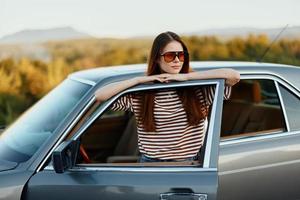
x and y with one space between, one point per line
174 137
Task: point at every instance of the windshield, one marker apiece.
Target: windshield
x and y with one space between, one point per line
24 137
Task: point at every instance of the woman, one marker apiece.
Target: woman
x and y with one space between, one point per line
170 123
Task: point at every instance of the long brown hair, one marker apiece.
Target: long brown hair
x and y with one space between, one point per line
194 110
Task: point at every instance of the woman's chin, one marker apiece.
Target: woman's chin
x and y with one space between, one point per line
173 70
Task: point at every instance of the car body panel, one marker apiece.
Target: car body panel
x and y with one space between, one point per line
268 167
118 184
12 184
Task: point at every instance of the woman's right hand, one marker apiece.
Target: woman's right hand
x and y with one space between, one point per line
146 79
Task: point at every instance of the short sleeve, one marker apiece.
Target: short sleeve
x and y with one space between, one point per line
209 93
123 103
227 92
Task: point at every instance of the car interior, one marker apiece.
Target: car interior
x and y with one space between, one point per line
112 138
251 111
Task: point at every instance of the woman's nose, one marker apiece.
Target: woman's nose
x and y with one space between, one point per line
176 59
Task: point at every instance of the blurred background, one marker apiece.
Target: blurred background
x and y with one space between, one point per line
41 42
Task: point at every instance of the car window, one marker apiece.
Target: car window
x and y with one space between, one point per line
113 137
253 109
292 107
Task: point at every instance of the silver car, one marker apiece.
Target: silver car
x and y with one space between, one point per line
68 146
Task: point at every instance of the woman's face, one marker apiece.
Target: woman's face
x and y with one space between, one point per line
169 63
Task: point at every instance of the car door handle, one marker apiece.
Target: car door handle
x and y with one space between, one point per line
177 195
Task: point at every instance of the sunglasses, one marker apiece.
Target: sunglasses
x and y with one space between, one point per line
171 55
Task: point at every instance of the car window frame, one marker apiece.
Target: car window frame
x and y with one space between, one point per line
208 163
277 80
284 99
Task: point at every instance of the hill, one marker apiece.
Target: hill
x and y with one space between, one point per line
42 35
227 33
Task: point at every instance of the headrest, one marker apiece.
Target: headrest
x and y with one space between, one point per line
248 91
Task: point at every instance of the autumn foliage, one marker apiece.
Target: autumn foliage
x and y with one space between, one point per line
24 80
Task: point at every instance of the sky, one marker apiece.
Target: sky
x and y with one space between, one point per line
130 18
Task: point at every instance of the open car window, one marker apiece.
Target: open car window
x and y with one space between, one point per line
112 138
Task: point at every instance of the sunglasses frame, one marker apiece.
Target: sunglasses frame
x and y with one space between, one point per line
175 54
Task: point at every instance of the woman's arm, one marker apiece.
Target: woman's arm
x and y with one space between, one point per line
112 89
231 76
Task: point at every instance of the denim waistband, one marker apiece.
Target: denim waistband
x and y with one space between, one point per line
145 158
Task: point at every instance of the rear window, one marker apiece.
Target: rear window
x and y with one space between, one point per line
253 109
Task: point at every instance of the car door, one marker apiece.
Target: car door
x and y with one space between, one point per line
137 182
259 156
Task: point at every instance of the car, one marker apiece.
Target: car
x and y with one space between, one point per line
69 146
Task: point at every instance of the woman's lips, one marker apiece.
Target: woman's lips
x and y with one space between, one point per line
175 67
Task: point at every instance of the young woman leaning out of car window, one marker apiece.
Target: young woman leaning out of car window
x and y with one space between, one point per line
179 136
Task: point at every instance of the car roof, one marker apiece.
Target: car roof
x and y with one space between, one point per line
288 72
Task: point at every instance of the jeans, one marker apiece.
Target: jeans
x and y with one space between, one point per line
144 159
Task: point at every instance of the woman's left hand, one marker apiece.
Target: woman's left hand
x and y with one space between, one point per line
175 77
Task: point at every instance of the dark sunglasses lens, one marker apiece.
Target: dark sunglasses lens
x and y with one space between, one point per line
169 56
181 56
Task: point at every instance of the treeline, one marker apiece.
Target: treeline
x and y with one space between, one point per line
25 80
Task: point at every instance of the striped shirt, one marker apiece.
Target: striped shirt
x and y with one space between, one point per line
174 138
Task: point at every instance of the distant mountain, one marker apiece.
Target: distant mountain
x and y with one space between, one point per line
290 32
42 35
